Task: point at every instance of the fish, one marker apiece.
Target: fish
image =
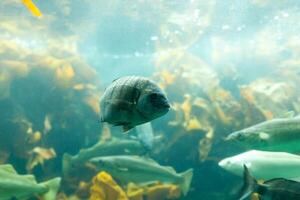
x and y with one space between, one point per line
145 135
104 148
142 170
264 165
132 100
279 134
13 185
274 189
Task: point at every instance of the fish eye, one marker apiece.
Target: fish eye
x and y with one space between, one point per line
156 99
101 162
239 136
154 96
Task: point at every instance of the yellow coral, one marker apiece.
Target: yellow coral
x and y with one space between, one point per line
17 68
157 191
163 191
255 196
93 102
5 80
186 106
134 192
64 75
32 8
35 137
194 124
105 188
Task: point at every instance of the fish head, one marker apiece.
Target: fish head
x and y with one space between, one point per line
238 136
153 104
249 137
232 164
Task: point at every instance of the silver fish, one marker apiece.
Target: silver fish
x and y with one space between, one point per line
141 170
132 100
13 185
107 148
264 165
281 134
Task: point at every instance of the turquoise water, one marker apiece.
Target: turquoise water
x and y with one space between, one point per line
224 65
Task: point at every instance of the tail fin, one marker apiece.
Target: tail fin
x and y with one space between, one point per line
250 185
187 179
53 186
66 163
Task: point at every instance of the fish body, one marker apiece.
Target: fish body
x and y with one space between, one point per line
141 170
281 134
264 165
13 185
274 189
107 148
131 101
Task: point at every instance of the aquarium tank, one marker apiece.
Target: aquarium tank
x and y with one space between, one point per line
149 99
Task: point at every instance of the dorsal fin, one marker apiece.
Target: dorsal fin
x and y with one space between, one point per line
126 128
150 160
31 178
147 159
171 169
289 114
297 116
8 168
116 79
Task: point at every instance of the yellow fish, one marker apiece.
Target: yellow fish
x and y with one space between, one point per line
32 8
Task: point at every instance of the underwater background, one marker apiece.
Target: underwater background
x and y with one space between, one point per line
224 65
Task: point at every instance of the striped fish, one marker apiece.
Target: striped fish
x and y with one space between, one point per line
132 100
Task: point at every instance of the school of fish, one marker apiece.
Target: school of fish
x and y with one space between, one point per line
270 144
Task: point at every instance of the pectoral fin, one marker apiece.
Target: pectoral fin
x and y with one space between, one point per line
8 168
248 165
289 114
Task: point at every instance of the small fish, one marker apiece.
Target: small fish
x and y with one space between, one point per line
264 165
15 186
132 100
142 170
32 8
105 148
280 134
274 189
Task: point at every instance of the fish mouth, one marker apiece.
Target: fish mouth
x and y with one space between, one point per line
228 138
167 106
222 163
232 137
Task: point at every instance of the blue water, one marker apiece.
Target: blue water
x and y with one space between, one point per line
205 49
